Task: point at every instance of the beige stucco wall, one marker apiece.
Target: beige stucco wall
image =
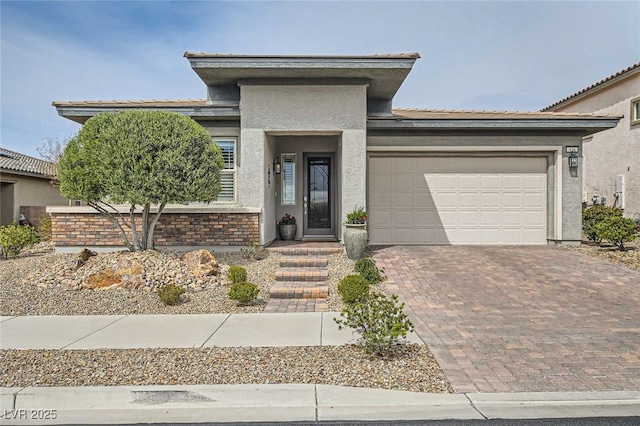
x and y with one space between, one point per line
28 191
280 110
612 152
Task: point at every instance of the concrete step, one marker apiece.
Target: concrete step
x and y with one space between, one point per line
306 251
299 290
304 261
302 274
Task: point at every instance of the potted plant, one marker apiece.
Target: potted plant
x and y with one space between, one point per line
288 227
355 234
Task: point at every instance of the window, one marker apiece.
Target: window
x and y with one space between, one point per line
228 173
288 179
635 111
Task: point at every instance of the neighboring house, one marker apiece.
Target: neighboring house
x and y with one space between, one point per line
26 187
424 176
611 167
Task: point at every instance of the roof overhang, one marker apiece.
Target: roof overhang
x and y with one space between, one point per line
81 111
383 73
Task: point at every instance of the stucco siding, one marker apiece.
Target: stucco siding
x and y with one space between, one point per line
31 191
613 152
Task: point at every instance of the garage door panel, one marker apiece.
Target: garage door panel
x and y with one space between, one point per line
457 200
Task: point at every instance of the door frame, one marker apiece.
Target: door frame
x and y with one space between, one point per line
331 231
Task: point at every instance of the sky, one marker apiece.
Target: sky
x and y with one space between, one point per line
508 55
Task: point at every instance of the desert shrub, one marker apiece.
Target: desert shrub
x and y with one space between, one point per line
254 251
617 230
14 238
367 268
237 274
353 288
44 227
170 294
592 216
243 292
380 320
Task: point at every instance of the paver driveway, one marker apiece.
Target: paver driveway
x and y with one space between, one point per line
521 318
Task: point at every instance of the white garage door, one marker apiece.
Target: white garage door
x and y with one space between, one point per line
457 200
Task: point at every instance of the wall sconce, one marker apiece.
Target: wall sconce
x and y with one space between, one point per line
276 165
573 160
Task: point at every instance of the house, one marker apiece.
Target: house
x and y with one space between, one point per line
25 187
316 136
611 168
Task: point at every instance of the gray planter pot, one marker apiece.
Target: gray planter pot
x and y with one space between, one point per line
288 232
355 240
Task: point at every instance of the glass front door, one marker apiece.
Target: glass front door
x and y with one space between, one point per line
318 196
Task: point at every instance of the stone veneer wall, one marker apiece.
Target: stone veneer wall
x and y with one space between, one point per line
173 229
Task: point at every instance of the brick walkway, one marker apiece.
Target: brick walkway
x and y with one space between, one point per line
521 318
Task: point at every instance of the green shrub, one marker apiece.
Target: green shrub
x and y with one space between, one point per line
14 237
367 268
380 321
592 216
353 288
170 294
254 251
44 227
237 274
243 292
617 230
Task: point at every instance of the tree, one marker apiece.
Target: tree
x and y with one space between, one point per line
51 149
142 159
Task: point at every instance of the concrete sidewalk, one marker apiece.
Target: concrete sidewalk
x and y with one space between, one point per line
243 403
174 331
295 402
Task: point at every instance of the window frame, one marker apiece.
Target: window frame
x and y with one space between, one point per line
634 118
283 161
233 172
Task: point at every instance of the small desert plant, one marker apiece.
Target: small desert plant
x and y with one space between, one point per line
237 274
243 292
44 227
14 238
170 294
367 268
353 288
380 321
254 251
358 216
617 230
592 216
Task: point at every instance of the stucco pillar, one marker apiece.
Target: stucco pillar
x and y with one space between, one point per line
354 171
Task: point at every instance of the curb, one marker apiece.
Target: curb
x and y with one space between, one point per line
293 402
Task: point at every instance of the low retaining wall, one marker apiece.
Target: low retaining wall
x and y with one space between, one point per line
71 229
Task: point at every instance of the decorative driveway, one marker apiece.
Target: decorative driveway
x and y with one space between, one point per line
510 319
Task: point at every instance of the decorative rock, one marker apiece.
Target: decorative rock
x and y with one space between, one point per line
202 263
83 257
126 273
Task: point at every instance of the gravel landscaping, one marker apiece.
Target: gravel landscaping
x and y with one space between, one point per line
413 369
630 258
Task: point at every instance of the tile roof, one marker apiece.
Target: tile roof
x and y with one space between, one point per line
441 114
617 75
136 103
376 56
11 160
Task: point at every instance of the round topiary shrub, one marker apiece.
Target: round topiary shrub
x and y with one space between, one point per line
592 216
237 274
617 230
353 288
367 268
170 294
243 292
14 237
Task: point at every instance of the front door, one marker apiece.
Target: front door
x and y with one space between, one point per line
319 204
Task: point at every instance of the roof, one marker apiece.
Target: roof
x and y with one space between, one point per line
633 69
375 56
442 114
21 163
135 103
